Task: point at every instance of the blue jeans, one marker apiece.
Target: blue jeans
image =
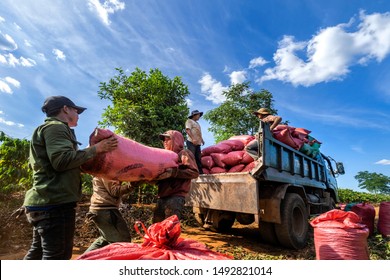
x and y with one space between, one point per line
112 227
53 232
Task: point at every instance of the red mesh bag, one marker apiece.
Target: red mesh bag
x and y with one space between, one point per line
130 161
249 166
161 242
206 171
340 235
233 158
367 213
207 162
384 218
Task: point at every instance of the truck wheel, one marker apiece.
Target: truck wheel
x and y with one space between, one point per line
245 219
267 233
223 220
293 231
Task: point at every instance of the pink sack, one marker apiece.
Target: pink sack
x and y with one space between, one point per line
367 213
246 158
233 158
340 235
237 168
249 166
245 139
207 162
218 159
217 169
383 225
217 148
161 242
236 145
130 161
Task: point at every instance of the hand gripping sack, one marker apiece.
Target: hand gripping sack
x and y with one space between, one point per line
340 235
161 242
130 161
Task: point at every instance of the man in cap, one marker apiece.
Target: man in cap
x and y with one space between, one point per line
174 184
264 115
55 161
194 137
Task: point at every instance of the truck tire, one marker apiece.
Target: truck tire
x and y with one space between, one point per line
245 219
293 230
223 220
267 233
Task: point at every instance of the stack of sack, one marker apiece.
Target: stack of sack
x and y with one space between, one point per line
297 138
228 156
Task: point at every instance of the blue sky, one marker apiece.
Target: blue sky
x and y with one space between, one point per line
325 62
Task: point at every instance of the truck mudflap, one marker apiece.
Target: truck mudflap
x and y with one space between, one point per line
240 190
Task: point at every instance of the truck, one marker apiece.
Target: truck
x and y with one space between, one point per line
279 196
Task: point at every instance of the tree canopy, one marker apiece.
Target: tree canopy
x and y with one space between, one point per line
14 170
235 115
373 182
144 105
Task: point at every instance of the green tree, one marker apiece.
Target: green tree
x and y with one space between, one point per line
144 105
235 115
373 182
14 170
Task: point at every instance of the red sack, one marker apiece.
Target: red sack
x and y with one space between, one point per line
245 139
217 148
218 159
161 242
249 166
340 235
233 158
384 219
217 169
207 162
367 213
237 168
246 158
236 145
130 161
285 137
206 171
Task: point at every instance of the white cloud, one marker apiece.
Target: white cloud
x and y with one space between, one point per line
6 83
237 77
11 60
383 162
2 19
258 61
331 52
108 7
7 43
212 89
9 123
59 54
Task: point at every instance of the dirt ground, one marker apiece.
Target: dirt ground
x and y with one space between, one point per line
242 242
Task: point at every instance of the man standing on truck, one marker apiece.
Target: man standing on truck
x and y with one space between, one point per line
173 189
194 137
264 115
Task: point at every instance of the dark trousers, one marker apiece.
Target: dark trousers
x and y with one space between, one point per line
112 227
167 207
53 233
195 149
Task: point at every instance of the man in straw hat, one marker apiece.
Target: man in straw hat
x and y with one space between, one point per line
194 137
264 115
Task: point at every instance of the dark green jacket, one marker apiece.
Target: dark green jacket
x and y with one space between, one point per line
56 163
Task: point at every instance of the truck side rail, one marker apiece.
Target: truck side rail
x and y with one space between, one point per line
284 164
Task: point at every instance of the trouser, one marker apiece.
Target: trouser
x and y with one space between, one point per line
167 207
53 233
195 149
112 228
